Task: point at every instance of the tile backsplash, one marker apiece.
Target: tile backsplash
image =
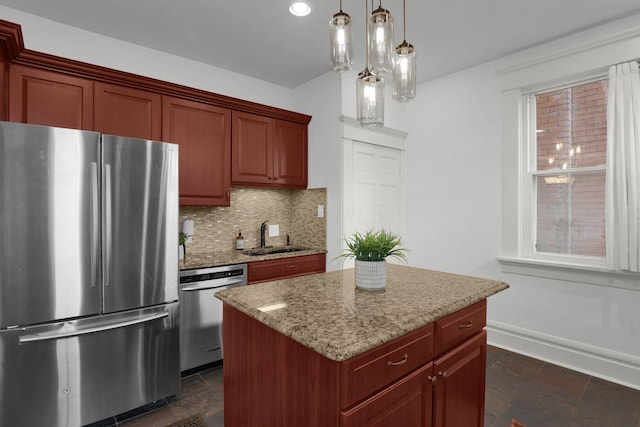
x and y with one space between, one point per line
295 211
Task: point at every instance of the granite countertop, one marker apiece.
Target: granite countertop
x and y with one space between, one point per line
220 258
326 312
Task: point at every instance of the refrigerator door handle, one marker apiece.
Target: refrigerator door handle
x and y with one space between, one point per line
95 224
106 270
89 330
218 284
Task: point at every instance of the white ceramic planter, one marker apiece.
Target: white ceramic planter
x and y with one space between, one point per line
371 275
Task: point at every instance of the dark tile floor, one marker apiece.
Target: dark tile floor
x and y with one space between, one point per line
536 393
540 394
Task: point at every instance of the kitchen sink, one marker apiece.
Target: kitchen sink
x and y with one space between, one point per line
272 250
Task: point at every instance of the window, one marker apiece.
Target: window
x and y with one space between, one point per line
555 164
568 147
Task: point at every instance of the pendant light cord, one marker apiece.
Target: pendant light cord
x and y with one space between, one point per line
366 32
404 20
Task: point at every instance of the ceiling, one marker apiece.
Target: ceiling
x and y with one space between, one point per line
259 38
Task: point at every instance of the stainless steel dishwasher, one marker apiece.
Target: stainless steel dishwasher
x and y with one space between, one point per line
201 312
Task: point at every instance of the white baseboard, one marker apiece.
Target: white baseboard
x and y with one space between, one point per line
597 361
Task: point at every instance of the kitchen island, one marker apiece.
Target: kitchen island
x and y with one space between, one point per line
316 351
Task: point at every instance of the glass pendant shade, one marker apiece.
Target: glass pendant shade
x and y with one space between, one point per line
340 43
380 41
404 73
370 99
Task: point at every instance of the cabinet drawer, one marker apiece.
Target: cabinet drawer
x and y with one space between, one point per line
365 374
263 271
459 326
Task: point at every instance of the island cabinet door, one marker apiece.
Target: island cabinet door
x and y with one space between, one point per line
406 403
460 385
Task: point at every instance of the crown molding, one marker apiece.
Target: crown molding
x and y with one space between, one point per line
600 42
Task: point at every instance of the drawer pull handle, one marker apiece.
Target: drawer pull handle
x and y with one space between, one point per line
466 325
291 266
433 379
444 375
401 362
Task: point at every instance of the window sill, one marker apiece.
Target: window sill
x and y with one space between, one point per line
570 272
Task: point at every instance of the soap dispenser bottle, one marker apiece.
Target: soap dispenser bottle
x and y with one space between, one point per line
239 241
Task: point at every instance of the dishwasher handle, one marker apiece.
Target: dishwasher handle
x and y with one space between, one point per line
213 284
99 328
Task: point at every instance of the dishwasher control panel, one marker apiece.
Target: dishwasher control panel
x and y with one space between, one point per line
202 275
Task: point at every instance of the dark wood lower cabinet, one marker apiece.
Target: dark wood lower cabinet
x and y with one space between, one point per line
406 403
271 380
460 384
284 268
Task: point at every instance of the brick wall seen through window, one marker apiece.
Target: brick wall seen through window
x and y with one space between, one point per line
571 134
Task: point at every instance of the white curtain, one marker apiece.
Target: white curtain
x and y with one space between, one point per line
623 168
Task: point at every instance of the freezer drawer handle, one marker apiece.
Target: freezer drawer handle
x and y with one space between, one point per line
72 333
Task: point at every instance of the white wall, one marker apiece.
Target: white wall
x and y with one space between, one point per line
453 167
454 223
321 99
43 35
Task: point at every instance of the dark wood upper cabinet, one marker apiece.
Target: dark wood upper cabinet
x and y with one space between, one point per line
268 152
4 99
125 111
290 154
203 133
49 98
252 149
256 145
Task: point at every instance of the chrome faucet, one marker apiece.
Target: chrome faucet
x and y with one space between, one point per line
263 230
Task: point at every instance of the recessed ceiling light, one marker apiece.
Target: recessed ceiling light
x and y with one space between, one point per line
300 8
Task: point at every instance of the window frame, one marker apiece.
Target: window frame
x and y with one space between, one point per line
567 62
530 172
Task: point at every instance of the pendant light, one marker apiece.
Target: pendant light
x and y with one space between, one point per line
404 71
380 40
370 99
340 44
369 93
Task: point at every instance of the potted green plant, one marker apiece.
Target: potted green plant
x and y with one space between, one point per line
370 251
182 249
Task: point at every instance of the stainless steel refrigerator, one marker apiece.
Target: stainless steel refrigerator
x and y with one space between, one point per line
88 275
